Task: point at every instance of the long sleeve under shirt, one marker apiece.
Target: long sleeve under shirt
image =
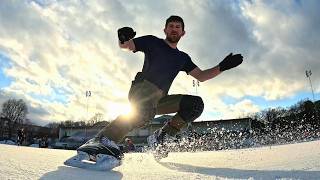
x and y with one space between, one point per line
162 63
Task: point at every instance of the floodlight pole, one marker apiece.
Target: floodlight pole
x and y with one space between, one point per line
196 84
88 94
308 74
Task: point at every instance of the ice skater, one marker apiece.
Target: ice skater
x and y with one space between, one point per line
149 90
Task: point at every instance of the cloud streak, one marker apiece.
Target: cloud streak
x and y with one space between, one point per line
60 49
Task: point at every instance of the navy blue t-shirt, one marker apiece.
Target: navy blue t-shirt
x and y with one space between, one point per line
162 63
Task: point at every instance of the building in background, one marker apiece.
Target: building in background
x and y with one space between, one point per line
33 133
73 137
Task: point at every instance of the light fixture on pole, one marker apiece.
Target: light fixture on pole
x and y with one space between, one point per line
308 74
88 94
196 84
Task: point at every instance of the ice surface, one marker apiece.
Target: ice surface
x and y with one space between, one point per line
292 161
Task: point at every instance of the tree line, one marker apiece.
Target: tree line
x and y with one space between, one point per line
13 117
303 114
98 117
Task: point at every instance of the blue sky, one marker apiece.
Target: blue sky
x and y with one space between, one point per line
52 52
4 63
285 103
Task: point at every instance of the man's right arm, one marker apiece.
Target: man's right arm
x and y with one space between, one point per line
129 45
125 35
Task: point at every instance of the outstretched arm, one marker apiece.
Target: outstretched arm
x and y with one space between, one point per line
228 62
125 36
203 75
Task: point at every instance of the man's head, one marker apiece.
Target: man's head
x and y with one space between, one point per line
174 18
174 29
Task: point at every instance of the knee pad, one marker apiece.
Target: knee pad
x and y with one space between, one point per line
191 107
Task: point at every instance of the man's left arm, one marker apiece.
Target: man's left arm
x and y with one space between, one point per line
227 63
203 75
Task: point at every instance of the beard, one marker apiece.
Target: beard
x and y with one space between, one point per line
173 38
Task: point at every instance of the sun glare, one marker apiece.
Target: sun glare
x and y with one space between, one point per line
115 109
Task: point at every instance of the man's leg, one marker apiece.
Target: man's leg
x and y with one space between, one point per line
144 96
188 109
118 128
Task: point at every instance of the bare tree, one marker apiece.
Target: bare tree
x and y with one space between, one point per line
96 118
3 123
27 122
15 111
53 125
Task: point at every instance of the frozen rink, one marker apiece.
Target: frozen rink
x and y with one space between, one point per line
292 161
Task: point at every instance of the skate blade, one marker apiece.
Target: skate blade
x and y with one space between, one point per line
158 156
104 162
160 153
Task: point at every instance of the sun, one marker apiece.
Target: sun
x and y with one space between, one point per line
115 109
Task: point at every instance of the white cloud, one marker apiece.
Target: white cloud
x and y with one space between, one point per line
72 46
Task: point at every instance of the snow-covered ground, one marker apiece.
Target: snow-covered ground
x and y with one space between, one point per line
293 161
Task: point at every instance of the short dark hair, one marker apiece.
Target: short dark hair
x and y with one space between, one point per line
175 18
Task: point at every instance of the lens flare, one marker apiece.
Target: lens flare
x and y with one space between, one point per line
115 109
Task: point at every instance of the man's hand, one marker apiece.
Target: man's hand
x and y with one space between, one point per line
125 34
230 61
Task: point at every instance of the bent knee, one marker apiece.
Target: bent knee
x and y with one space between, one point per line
191 107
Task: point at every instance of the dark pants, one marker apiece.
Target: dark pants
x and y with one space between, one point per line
148 100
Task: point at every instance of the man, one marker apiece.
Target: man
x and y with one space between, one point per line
149 90
129 145
20 136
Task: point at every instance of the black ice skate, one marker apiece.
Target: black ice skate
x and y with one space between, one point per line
98 153
158 145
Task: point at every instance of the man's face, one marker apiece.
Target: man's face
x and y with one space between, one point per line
174 32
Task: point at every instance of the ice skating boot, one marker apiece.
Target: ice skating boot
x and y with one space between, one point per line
98 153
157 143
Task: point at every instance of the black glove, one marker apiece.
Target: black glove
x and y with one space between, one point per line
125 34
230 61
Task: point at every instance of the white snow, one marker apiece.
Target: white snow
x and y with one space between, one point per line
293 161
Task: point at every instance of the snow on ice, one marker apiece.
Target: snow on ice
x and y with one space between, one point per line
291 161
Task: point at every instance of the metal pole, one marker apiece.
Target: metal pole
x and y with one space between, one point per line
308 74
85 125
311 88
196 89
196 85
88 94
